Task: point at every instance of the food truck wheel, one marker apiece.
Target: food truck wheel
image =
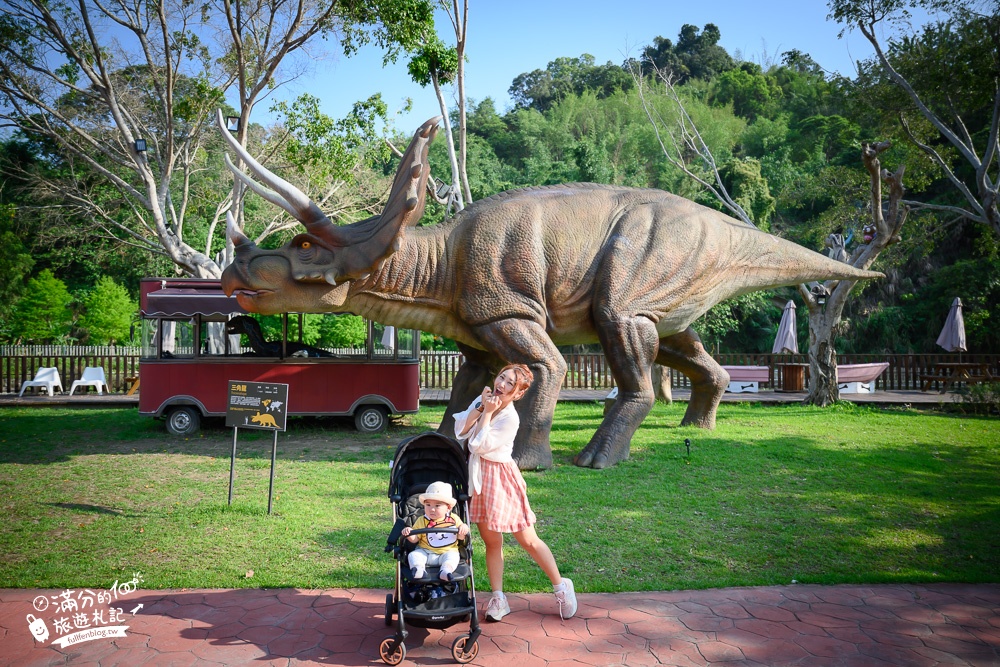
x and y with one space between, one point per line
371 418
183 420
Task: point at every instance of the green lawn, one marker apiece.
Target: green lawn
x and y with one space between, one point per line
774 494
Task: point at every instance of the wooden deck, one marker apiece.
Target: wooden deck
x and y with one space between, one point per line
432 396
879 397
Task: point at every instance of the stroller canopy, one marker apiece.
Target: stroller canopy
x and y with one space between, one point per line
425 458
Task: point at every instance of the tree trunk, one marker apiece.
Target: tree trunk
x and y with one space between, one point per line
661 384
461 28
455 196
823 389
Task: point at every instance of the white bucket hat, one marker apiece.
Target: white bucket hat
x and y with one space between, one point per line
438 491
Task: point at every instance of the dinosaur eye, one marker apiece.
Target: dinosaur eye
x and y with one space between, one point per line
306 245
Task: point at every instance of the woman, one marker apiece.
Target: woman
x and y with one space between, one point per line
499 495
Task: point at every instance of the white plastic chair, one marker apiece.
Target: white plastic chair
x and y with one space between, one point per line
93 376
44 377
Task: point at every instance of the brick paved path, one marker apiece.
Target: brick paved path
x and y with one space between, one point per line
940 624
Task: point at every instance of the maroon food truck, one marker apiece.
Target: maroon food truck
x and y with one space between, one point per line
195 340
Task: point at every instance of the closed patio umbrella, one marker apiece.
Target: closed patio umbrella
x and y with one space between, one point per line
952 336
786 342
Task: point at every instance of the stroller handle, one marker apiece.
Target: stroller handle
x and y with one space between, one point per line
425 531
396 536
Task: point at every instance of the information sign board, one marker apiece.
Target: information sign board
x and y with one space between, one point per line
262 405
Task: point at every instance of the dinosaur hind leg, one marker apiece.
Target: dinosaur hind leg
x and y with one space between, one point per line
630 345
685 352
521 341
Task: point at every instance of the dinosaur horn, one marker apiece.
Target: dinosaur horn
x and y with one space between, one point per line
233 232
280 192
373 240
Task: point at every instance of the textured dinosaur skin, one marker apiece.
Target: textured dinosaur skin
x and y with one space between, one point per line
515 275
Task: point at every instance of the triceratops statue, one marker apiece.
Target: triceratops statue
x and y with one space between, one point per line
516 274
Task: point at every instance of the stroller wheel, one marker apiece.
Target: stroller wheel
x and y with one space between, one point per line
396 656
388 609
462 653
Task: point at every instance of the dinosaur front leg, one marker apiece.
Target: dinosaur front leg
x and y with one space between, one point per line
525 342
629 346
476 372
685 352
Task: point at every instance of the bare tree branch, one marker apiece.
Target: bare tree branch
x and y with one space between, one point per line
691 138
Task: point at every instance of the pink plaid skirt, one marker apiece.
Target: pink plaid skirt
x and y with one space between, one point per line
503 503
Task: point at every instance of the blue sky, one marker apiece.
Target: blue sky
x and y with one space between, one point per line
510 37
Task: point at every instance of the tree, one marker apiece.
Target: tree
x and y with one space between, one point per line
695 56
343 331
15 266
92 80
324 155
826 302
436 64
108 311
43 314
748 89
460 24
949 77
260 35
683 142
541 89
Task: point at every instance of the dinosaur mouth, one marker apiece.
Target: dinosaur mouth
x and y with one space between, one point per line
247 297
250 293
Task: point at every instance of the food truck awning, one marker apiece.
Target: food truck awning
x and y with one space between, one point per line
188 301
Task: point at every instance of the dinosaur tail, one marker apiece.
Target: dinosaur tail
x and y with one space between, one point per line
774 262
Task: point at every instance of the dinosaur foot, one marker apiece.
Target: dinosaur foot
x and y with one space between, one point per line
601 453
699 420
538 457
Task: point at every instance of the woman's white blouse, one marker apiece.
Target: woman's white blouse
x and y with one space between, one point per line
494 442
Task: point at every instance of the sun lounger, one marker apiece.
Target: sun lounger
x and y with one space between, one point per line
747 379
859 378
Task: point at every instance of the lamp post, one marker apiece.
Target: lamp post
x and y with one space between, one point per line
233 123
140 145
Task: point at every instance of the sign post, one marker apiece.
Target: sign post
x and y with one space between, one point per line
260 405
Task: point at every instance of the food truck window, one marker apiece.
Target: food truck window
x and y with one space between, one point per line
342 334
385 340
167 339
181 343
407 344
149 339
215 342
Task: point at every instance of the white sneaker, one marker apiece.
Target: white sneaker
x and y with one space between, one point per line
497 608
566 599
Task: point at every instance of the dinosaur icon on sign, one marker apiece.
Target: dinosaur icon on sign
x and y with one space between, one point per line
264 420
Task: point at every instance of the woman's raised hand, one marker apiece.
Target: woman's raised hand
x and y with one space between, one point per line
491 403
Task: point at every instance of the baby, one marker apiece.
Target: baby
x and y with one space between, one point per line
439 549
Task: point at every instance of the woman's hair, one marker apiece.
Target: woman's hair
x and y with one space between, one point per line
522 374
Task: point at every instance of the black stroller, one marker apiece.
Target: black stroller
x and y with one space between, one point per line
429 602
